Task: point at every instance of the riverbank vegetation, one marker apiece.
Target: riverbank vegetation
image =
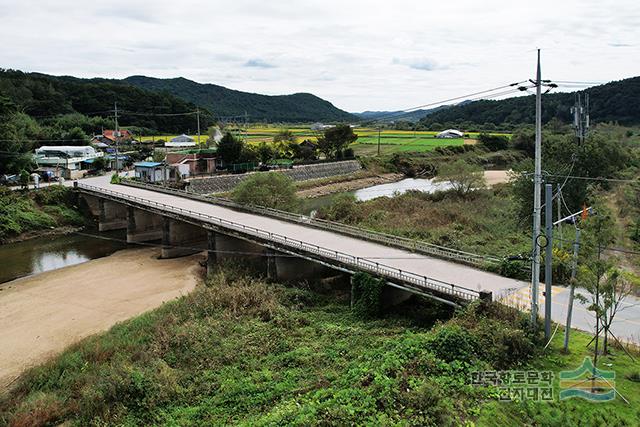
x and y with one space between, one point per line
30 211
241 351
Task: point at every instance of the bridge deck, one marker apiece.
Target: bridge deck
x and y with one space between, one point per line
419 264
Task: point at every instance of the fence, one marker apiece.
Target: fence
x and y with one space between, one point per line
361 233
422 282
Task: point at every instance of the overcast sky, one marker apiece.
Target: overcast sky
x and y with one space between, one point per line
360 55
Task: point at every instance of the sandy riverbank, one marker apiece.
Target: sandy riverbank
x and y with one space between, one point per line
355 184
496 177
41 315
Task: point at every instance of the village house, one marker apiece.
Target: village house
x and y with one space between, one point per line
69 162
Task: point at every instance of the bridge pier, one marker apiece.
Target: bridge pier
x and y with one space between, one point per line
291 269
112 215
181 239
212 256
93 203
393 296
143 226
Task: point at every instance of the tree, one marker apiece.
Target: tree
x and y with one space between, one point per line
493 142
268 189
265 152
99 163
464 177
230 148
335 139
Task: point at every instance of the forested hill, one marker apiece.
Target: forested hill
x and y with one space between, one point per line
298 107
612 102
42 96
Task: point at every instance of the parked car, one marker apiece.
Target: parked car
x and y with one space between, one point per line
10 179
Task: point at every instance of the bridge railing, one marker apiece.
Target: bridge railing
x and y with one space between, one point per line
376 236
359 263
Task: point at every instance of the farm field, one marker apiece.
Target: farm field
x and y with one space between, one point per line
391 141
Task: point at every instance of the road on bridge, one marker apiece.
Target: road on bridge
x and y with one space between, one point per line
405 260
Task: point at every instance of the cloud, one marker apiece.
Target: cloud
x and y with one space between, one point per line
620 45
422 64
258 63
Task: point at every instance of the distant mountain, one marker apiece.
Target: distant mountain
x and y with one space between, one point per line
43 96
391 116
616 101
298 107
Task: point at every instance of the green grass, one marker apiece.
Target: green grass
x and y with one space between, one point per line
573 412
240 351
484 222
36 210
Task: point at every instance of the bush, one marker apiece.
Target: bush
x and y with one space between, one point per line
267 189
343 208
493 142
453 342
116 179
367 291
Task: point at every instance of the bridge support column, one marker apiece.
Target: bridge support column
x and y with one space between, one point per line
112 216
486 296
93 203
143 226
272 265
212 256
393 296
180 239
292 269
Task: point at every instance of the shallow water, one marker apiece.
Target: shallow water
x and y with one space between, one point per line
52 252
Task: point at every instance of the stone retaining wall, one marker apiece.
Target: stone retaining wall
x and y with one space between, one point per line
224 183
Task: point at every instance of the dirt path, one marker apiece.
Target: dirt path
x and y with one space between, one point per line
42 314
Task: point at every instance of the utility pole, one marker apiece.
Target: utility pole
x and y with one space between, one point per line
559 207
548 204
537 184
198 115
117 134
581 117
574 266
378 140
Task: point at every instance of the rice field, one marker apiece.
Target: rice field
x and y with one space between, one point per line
367 144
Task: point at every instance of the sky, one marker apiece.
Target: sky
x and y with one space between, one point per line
359 55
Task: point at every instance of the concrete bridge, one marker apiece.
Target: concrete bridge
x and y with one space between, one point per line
291 248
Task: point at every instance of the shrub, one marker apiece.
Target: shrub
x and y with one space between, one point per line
267 189
343 208
116 179
453 342
493 142
367 291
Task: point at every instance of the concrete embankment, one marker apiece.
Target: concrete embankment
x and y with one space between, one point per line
224 183
41 315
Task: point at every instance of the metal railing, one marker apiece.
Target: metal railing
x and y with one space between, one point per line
375 236
422 282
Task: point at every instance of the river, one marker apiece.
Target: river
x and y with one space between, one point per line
390 189
41 254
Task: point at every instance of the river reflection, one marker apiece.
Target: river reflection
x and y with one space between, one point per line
51 252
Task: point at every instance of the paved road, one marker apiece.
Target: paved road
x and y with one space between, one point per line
626 324
407 261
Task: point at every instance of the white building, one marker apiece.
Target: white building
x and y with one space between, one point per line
450 133
65 160
181 141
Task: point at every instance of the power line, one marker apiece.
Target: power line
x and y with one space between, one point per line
408 110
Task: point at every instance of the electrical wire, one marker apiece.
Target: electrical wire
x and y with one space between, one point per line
408 110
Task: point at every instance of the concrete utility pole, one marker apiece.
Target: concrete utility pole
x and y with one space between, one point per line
559 207
117 134
548 204
574 266
198 114
537 184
